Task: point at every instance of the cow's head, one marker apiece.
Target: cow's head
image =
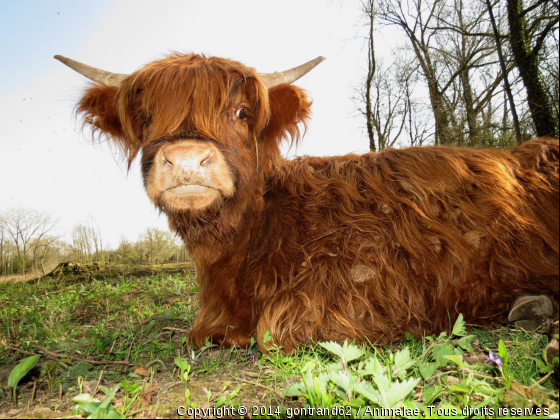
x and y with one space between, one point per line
208 128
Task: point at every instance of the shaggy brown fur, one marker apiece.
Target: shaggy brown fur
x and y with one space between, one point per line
363 247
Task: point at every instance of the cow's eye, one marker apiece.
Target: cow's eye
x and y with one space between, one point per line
242 113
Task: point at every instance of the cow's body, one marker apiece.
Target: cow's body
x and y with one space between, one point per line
375 245
364 247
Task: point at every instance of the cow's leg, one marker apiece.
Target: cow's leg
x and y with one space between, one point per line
222 335
286 321
223 326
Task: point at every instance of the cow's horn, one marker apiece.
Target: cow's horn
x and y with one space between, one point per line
97 75
289 76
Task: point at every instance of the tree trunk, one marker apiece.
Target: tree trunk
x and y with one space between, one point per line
527 61
507 86
369 79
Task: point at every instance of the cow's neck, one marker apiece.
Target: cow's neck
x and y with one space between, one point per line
224 239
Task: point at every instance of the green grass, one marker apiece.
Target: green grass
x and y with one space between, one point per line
100 330
103 312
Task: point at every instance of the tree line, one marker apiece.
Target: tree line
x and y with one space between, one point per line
466 73
28 244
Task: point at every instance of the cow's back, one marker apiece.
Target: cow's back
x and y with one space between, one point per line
539 160
405 239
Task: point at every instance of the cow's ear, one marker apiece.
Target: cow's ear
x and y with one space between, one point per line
290 108
99 109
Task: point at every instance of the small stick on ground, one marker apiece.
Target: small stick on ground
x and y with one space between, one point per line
176 329
282 397
156 317
544 378
493 378
64 290
92 362
97 384
74 347
449 372
155 361
142 323
33 392
129 350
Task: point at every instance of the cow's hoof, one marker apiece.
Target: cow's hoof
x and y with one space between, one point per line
551 350
531 311
533 325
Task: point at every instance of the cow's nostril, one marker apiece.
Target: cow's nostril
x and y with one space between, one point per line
207 160
166 161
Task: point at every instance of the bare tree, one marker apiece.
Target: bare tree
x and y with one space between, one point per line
415 18
468 53
27 243
368 10
465 65
384 97
125 251
87 241
383 102
419 126
529 30
3 234
46 250
25 227
156 246
507 87
81 242
550 72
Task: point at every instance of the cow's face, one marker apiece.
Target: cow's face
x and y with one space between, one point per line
208 129
197 122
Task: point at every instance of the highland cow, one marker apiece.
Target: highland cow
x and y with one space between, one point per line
362 247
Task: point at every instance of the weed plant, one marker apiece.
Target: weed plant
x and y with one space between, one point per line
115 345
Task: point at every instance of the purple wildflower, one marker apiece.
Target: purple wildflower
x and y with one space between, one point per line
495 359
251 355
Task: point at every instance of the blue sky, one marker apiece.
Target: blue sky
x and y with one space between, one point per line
46 163
32 29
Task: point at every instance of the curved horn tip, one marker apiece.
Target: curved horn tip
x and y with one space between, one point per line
271 80
97 75
62 59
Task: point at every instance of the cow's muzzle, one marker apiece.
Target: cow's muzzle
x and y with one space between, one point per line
189 174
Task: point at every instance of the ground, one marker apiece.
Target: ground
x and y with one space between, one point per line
120 334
